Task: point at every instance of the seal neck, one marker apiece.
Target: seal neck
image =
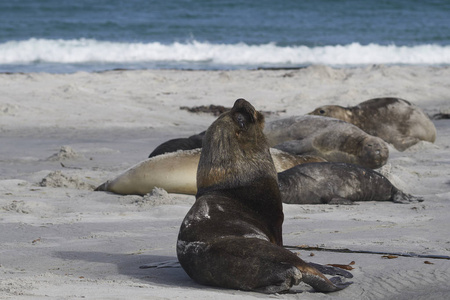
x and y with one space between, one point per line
262 197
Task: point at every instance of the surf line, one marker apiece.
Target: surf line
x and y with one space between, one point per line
346 250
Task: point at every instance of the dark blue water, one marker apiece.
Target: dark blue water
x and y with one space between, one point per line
67 36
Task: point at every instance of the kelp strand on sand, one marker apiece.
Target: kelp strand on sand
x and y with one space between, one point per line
346 250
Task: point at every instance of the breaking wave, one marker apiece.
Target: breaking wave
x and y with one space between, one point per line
94 51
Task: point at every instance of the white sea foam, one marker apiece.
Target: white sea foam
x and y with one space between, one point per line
93 51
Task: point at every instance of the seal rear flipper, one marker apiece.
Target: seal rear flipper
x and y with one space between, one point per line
319 282
404 143
331 270
291 277
403 198
102 187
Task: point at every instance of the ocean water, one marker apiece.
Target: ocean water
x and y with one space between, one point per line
62 36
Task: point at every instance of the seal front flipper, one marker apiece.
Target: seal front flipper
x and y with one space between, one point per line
341 201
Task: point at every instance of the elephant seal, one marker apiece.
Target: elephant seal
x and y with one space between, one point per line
232 235
337 183
176 172
332 139
395 120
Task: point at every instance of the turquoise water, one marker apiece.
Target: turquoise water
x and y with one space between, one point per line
68 36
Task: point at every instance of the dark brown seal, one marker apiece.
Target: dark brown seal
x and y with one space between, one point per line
337 183
174 145
332 139
232 235
395 120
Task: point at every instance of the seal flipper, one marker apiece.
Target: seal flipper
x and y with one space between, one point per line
405 143
342 201
319 282
403 198
331 270
103 187
291 277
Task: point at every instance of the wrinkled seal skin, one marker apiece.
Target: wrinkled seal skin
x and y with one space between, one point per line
395 120
232 235
176 172
337 183
332 139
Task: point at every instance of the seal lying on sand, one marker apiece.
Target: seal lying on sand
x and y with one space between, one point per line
192 142
395 120
176 172
332 139
337 183
232 235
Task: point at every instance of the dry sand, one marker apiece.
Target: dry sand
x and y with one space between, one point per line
61 135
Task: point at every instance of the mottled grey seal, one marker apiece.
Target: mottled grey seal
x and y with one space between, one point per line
176 172
337 183
332 139
232 235
395 120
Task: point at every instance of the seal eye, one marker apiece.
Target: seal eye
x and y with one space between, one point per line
321 111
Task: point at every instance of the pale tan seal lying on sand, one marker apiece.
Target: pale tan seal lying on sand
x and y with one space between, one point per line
395 120
232 235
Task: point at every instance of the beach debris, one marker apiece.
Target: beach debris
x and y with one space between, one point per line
346 250
390 256
443 114
217 110
345 267
17 206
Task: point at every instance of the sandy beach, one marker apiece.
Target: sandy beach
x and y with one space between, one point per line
62 135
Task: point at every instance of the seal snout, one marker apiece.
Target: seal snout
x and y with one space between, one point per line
244 107
375 152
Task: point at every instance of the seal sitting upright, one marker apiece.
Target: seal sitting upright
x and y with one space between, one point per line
395 120
232 235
